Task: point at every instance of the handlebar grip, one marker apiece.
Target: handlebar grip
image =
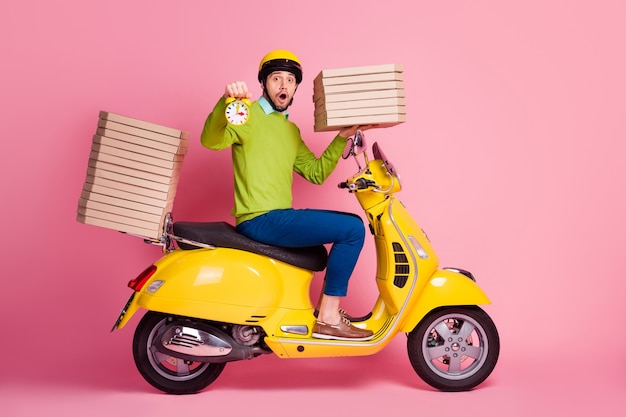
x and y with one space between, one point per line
343 184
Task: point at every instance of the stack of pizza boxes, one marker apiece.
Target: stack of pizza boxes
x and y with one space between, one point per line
132 175
369 95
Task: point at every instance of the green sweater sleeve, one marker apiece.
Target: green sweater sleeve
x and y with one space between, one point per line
266 151
215 134
316 170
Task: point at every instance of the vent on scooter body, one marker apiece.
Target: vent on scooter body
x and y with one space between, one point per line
255 319
402 267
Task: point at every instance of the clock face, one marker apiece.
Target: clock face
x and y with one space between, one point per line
237 112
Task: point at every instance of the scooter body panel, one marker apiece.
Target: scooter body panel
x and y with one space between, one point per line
406 258
224 284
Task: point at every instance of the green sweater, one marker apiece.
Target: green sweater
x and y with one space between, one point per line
265 152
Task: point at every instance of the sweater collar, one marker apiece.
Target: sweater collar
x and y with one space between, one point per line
267 107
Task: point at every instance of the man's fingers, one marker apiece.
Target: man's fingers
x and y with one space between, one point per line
238 89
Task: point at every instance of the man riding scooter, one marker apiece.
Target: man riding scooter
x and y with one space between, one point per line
266 150
222 296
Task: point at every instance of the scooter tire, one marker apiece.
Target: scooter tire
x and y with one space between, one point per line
454 348
167 373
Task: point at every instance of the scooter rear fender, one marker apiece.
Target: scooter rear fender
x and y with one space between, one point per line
222 285
445 288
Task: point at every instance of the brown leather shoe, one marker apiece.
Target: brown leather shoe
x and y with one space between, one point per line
341 331
342 313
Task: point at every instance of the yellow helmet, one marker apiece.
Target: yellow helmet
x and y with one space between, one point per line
280 60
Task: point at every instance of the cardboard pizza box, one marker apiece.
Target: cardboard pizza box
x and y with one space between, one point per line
132 173
320 82
174 149
321 106
361 95
100 191
132 168
127 179
362 111
121 186
361 70
141 124
130 204
357 88
152 231
116 211
136 148
98 147
370 95
384 120
142 133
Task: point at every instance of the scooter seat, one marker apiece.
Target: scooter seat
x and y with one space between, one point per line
224 235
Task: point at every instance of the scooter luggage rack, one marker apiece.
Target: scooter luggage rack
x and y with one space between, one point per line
168 237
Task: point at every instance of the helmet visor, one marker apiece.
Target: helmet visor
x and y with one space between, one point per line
280 65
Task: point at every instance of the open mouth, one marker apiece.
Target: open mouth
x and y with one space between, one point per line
282 96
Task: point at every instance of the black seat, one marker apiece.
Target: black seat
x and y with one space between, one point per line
222 234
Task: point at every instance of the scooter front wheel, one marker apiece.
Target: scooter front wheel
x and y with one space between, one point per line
454 348
168 373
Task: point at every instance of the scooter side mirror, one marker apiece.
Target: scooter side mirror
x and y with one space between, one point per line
359 143
355 146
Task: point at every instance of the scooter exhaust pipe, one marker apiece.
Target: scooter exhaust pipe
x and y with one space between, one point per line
200 342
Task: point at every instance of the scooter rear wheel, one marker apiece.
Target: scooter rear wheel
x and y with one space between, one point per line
168 373
454 348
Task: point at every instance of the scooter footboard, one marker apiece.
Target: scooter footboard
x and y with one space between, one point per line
445 288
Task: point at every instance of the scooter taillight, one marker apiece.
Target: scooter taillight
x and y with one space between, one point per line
138 283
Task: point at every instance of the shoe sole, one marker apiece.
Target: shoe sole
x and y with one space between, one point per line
348 339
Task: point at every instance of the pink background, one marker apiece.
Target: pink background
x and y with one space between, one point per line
512 160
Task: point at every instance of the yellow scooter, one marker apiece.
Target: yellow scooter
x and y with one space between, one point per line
217 296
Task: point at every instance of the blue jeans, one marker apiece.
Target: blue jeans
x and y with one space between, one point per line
311 227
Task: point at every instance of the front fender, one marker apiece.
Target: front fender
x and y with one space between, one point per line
445 288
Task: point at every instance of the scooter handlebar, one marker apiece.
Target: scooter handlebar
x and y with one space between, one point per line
359 184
